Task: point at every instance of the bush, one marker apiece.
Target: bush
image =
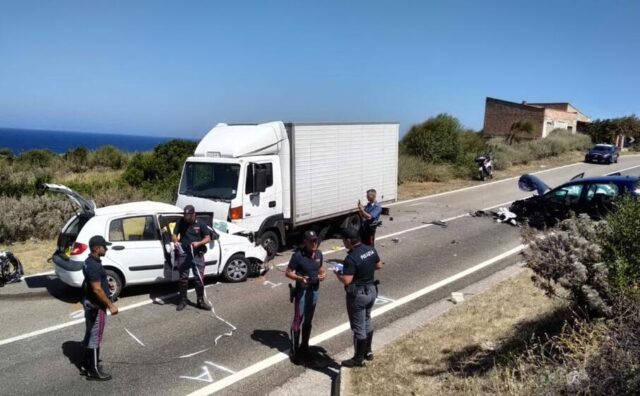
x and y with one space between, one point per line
77 159
569 257
435 140
414 169
621 246
158 173
108 157
37 159
40 217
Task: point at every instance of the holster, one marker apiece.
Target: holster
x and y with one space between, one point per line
293 290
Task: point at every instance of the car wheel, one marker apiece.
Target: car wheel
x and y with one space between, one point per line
237 269
271 243
115 278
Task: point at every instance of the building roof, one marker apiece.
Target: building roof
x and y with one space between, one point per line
539 106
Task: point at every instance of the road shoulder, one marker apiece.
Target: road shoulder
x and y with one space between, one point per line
313 382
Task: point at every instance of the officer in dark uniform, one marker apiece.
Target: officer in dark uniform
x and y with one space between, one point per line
95 302
370 215
305 267
192 245
362 290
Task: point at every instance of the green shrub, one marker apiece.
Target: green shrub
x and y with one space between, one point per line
571 258
108 157
37 159
435 140
77 159
414 169
621 245
39 217
158 173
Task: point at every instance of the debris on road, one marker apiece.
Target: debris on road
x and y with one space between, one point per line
504 215
457 297
396 240
440 223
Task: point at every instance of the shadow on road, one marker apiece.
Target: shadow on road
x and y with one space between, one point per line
74 351
318 360
55 287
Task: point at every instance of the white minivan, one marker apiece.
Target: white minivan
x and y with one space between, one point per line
141 253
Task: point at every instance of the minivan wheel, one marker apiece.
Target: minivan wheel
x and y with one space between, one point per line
115 278
236 270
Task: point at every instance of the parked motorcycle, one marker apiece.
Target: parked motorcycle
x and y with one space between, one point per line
485 167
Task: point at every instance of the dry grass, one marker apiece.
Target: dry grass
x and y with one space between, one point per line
89 176
460 352
33 254
413 190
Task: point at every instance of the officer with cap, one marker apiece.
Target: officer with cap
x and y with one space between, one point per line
192 245
95 302
370 215
305 267
358 278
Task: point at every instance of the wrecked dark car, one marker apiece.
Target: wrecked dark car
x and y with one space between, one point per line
593 196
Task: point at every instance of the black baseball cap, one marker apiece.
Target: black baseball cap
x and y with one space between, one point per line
310 236
98 240
351 234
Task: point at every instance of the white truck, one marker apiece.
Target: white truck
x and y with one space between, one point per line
275 179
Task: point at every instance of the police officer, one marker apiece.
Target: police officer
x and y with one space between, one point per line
305 267
95 302
192 244
370 215
361 287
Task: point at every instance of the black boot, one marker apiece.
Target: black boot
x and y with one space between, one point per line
295 346
86 361
183 297
304 342
95 372
358 358
368 352
203 304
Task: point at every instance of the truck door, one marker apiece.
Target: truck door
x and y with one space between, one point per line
260 194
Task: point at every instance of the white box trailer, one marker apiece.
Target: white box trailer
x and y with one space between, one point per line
277 178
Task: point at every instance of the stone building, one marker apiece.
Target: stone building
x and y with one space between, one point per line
500 115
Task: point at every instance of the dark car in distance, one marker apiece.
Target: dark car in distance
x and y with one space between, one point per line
603 154
593 196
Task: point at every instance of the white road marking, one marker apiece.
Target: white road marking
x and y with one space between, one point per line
204 377
77 314
625 169
134 337
380 300
77 321
219 367
193 354
40 274
280 356
271 285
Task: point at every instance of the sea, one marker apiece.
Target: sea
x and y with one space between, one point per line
20 140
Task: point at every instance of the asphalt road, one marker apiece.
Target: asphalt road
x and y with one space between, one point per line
153 350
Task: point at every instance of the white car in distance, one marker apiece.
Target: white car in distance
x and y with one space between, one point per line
141 252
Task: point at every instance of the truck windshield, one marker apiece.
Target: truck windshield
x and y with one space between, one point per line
210 180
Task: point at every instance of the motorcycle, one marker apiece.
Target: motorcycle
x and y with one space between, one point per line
11 270
485 167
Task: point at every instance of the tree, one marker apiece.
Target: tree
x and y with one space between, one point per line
606 130
518 129
435 140
77 159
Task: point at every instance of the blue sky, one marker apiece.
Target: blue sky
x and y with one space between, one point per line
176 68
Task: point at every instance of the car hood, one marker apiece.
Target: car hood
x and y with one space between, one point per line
532 183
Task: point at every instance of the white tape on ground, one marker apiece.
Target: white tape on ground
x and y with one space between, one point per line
279 357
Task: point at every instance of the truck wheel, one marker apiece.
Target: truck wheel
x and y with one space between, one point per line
116 278
353 221
237 269
271 243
